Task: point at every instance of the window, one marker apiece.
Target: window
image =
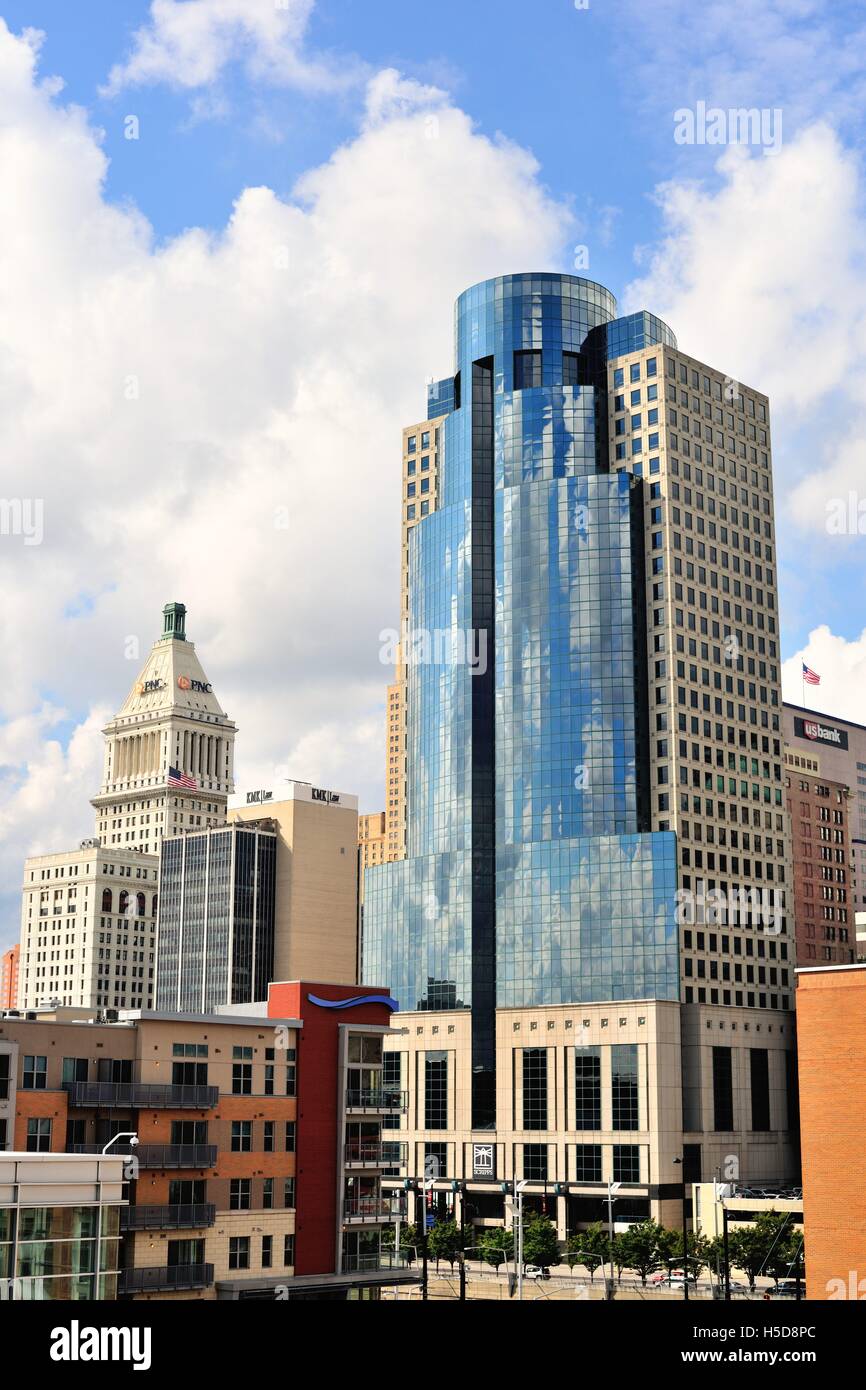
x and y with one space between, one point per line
34 1075
38 1136
587 1088
268 1140
436 1090
4 1075
618 376
624 1086
527 370
291 1071
239 1252
535 1162
759 1067
74 1069
239 1194
587 1163
723 1093
626 1163
267 1194
242 1136
634 372
290 1136
267 1252
289 1192
288 1251
242 1071
534 1088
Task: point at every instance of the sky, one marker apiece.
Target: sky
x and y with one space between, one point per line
232 233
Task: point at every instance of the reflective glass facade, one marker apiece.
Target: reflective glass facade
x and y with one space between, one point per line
531 877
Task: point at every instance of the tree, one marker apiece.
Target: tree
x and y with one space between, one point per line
540 1241
409 1241
443 1242
763 1246
497 1245
639 1247
590 1248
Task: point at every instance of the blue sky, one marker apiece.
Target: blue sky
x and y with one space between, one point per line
558 122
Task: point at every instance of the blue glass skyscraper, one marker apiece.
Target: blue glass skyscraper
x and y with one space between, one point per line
532 876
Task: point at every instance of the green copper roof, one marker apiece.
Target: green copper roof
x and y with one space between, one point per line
174 622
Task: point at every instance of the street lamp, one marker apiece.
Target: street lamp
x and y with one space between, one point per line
685 1236
518 1192
421 1188
612 1187
128 1134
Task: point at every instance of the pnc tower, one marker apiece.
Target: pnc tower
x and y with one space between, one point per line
169 752
592 715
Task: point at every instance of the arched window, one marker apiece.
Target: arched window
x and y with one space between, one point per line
106 899
140 904
153 905
123 903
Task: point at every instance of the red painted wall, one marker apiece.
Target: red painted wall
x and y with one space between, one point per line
319 1109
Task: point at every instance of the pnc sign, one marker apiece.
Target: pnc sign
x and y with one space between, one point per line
201 687
146 687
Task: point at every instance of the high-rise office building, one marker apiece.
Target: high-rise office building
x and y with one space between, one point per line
594 755
835 750
216 917
169 752
821 887
316 914
88 918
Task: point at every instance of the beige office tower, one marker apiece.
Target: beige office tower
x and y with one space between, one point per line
371 842
701 442
169 752
423 447
88 929
316 887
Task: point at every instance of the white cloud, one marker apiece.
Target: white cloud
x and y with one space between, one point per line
803 56
170 404
842 667
762 276
189 43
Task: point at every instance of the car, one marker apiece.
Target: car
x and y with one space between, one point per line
787 1288
535 1272
677 1280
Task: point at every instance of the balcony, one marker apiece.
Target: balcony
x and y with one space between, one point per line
354 1263
369 1210
140 1095
169 1218
158 1155
377 1101
165 1279
362 1153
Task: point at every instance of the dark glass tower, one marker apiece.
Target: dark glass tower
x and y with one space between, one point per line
532 877
215 936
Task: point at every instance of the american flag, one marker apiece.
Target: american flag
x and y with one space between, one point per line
809 676
176 778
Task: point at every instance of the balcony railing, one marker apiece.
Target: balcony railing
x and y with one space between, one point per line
367 1209
141 1095
158 1155
169 1218
385 1259
363 1153
378 1098
165 1278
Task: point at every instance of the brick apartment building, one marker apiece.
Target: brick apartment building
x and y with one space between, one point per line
257 1171
822 873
